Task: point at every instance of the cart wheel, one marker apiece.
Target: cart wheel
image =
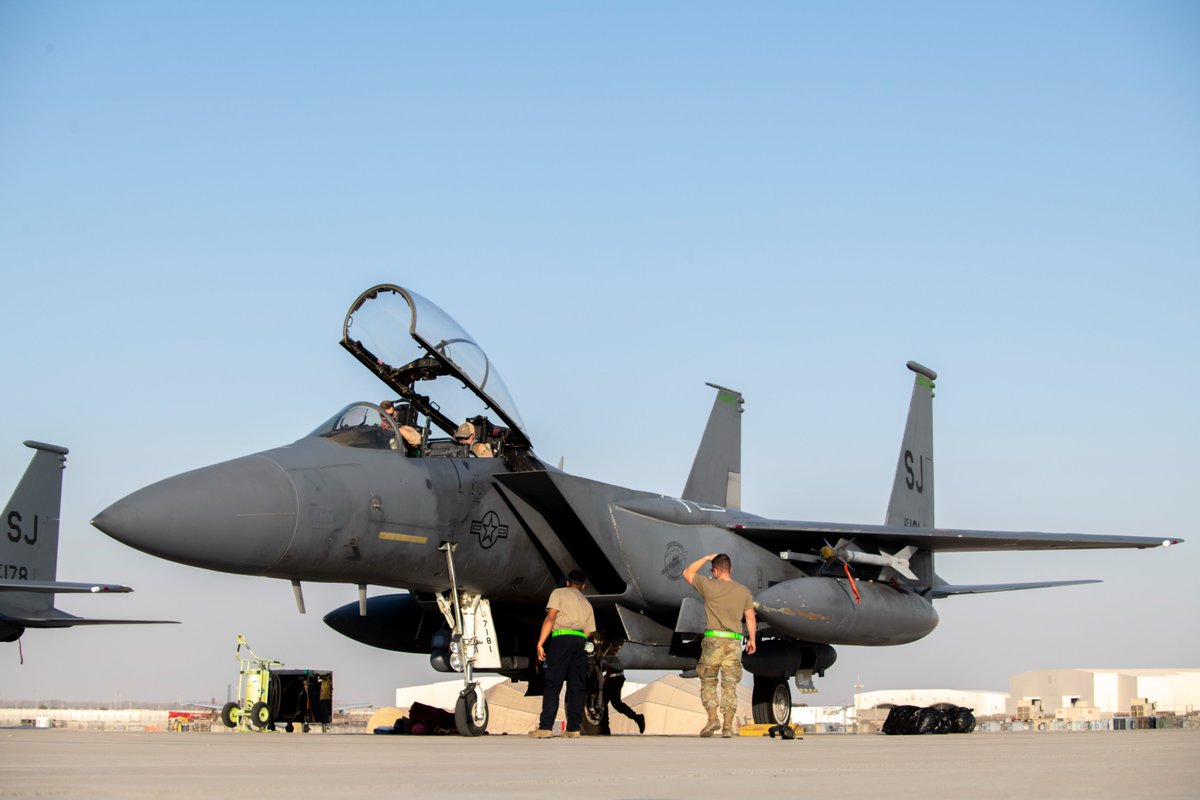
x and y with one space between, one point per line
471 713
230 714
260 715
288 728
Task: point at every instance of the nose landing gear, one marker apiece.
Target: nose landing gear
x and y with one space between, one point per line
472 645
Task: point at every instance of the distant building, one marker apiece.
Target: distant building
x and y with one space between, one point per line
1139 692
441 694
982 701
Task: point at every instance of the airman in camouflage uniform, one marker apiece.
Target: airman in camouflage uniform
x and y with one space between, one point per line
726 604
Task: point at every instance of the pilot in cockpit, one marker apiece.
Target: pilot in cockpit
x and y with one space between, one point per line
410 435
465 435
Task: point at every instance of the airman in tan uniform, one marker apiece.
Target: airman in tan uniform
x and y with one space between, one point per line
726 604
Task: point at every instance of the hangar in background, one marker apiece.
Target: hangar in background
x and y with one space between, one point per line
985 703
1109 691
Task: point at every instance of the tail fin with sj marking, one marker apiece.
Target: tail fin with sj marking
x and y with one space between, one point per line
29 552
29 549
911 503
716 476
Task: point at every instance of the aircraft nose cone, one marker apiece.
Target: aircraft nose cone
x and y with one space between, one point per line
238 516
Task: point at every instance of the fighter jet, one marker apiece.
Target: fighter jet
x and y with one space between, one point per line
442 495
29 553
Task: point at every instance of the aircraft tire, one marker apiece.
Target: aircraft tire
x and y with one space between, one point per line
592 721
230 714
471 713
260 715
771 700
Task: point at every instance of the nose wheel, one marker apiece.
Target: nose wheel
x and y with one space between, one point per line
471 711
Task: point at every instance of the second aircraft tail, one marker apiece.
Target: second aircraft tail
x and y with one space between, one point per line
29 549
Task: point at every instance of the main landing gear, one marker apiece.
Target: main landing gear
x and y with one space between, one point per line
472 645
772 700
594 701
772 697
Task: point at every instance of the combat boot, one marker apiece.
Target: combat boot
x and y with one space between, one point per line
727 727
712 726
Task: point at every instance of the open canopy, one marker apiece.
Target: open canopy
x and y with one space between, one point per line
424 355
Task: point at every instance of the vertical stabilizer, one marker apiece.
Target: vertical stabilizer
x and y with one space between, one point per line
29 548
911 504
716 476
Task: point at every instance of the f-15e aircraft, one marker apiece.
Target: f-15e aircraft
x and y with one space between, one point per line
479 543
29 553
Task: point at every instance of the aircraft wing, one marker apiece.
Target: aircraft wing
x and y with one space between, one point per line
65 587
948 589
775 534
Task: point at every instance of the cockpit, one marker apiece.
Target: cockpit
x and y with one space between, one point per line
372 427
443 381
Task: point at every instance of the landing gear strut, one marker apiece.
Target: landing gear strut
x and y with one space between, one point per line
472 645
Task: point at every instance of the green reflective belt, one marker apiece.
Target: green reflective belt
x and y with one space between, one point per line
723 634
568 632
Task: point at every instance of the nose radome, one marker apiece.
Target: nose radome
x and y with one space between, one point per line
238 516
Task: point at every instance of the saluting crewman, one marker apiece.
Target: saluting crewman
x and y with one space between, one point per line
568 624
726 604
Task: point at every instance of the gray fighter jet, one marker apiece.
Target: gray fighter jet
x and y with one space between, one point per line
479 542
29 553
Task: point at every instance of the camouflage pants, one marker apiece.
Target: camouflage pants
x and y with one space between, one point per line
720 657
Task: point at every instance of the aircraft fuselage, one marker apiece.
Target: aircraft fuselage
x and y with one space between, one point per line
319 511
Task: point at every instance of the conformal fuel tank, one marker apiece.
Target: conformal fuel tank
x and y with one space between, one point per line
824 610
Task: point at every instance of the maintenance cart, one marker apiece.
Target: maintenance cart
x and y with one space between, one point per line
268 695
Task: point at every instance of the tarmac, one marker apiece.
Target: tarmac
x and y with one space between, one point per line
79 763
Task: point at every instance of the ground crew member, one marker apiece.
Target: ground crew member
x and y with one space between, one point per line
614 682
726 603
568 623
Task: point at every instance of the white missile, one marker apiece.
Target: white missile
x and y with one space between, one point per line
847 552
897 561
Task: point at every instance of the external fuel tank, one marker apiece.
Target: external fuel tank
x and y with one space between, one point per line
824 609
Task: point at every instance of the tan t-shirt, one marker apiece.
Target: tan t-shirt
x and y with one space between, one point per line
574 610
724 603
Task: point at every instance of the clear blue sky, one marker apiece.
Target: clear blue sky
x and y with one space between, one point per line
621 202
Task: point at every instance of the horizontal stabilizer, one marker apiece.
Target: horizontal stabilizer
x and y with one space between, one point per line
63 620
779 534
65 587
948 589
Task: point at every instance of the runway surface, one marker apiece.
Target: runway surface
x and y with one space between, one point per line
72 763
